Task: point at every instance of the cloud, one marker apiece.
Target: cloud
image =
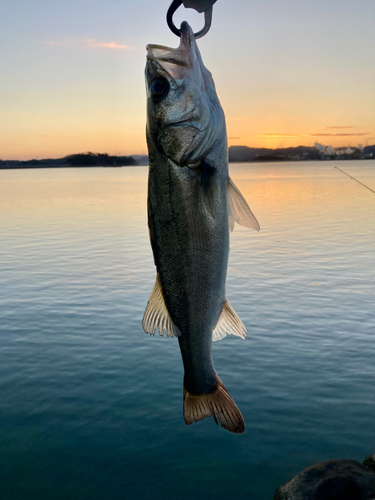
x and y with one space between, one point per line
279 135
340 127
232 138
90 42
338 135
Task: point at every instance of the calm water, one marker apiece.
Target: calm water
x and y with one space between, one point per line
91 407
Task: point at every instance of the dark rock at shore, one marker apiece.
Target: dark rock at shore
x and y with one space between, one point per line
370 462
331 480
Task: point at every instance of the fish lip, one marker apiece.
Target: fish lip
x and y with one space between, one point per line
178 60
158 46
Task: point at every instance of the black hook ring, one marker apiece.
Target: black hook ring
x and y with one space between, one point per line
207 20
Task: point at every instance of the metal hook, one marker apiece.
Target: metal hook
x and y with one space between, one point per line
207 19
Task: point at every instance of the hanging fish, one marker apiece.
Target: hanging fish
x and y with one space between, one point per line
192 204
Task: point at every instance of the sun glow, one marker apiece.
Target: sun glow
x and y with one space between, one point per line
75 84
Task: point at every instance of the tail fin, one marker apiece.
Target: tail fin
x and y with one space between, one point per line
218 404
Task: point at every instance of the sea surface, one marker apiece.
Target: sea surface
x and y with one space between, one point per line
91 406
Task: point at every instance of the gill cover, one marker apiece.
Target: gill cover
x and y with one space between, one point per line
190 117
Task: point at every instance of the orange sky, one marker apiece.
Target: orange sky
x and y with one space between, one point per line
287 75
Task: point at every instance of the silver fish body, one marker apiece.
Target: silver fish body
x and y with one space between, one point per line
188 204
191 254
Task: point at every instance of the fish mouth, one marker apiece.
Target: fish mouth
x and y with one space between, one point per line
179 55
178 62
152 46
157 52
186 40
174 61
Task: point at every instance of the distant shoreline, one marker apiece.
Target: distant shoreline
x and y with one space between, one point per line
264 162
33 167
237 154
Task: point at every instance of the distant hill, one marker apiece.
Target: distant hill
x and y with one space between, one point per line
100 160
141 159
244 153
50 162
77 160
369 149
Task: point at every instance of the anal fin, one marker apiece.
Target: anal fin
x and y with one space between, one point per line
238 209
228 322
157 316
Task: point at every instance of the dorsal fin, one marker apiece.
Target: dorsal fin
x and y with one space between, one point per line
238 209
157 316
228 322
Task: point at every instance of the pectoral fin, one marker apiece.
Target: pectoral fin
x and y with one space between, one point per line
210 187
157 316
228 322
238 209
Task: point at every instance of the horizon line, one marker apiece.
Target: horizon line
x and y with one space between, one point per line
139 154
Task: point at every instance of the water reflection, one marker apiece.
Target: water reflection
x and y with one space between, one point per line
81 411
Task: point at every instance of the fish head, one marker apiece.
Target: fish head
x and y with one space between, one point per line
184 116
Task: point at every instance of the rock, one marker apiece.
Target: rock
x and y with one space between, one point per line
330 480
370 462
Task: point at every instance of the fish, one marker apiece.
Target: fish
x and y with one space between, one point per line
192 206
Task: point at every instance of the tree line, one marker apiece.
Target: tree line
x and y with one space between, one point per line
100 159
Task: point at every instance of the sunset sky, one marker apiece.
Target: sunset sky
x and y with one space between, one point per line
287 72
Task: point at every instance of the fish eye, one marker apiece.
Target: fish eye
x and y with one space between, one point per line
159 88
